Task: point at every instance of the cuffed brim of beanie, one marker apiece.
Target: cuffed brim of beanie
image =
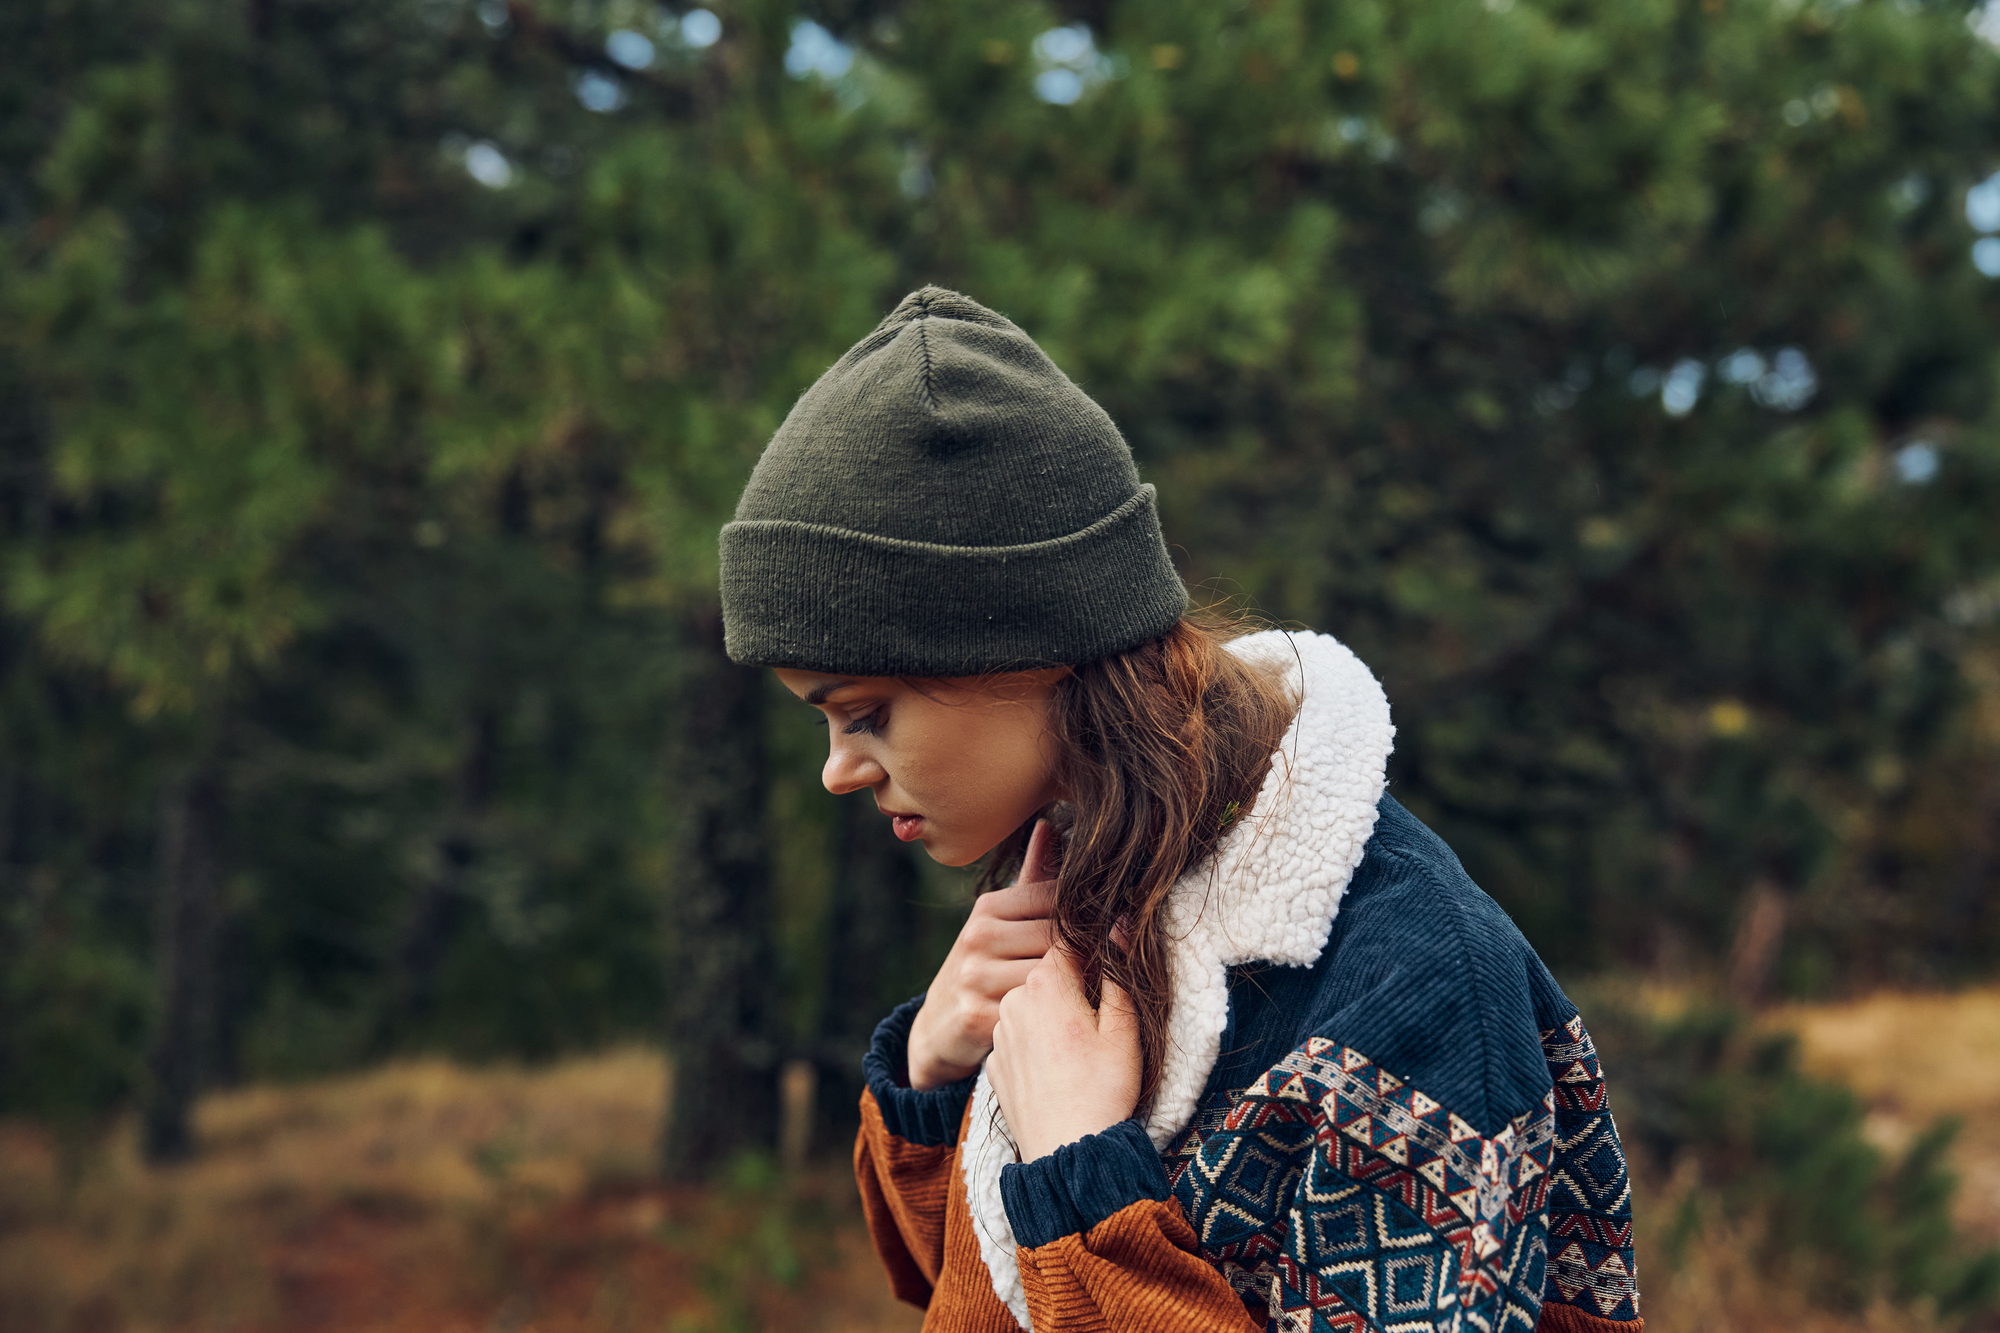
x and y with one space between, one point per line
821 598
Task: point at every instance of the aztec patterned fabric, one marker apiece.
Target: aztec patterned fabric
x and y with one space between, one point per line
1590 1193
1334 1196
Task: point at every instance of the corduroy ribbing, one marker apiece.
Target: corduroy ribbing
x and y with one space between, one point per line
1140 1268
927 1119
1081 1184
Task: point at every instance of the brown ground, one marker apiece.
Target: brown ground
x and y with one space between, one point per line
426 1198
430 1198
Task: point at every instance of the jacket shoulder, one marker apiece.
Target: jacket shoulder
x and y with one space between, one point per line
1429 978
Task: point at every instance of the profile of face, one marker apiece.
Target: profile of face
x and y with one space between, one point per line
956 764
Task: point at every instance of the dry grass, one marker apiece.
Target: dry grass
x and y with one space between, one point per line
420 1196
1915 1058
1721 1285
1912 1059
1721 1281
430 1197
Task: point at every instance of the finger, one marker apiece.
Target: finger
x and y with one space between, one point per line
1114 1008
1038 862
1017 939
1038 897
1021 901
1062 964
988 936
997 980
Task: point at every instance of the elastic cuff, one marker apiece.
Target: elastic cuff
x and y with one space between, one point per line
927 1119
1082 1183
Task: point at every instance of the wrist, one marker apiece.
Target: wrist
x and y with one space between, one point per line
928 1075
927 1068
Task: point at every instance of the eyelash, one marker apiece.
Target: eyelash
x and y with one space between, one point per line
865 725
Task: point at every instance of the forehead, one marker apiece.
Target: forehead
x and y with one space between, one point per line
816 687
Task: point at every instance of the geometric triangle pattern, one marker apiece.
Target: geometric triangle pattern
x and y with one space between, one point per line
1333 1196
1590 1188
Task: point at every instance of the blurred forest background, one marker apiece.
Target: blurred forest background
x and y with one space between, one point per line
1619 380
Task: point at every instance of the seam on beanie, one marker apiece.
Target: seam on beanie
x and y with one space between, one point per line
923 349
925 394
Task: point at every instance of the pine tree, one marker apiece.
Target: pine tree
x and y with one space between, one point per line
374 377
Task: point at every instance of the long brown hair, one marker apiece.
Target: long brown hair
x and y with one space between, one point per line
1161 750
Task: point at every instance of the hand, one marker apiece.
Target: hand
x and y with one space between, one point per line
1061 1069
1000 944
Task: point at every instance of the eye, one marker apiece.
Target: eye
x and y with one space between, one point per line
868 724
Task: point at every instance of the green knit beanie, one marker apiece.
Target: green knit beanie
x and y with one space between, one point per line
944 502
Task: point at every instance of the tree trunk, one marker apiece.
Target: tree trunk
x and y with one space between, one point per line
439 910
871 954
1956 937
720 1037
873 931
190 834
1759 936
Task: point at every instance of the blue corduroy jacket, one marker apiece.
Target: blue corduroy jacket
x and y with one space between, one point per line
1410 1131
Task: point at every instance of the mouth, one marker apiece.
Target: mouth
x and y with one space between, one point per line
908 827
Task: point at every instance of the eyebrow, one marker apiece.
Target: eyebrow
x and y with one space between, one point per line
818 696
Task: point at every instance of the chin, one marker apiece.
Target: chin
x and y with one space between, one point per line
951 856
953 852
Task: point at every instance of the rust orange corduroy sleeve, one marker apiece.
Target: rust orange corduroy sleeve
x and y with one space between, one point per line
903 1191
1139 1269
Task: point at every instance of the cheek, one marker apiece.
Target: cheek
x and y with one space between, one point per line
1014 766
996 771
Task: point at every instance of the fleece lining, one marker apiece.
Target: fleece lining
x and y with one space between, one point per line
1269 894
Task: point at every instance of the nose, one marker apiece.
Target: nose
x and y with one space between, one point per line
849 767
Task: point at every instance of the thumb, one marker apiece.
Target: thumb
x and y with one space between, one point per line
1115 1010
1069 971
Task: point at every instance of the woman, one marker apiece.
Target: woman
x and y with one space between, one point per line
1240 1046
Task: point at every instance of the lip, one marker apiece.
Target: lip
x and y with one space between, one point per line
908 827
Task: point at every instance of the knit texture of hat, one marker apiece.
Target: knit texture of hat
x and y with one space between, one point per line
944 502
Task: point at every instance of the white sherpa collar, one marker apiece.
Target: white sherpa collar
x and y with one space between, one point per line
1269 894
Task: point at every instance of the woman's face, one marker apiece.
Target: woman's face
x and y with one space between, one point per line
956 764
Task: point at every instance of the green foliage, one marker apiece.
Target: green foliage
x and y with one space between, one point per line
1702 1087
388 497
76 1007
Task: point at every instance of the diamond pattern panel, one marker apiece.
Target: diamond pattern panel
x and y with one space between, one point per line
1335 1197
1590 1189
